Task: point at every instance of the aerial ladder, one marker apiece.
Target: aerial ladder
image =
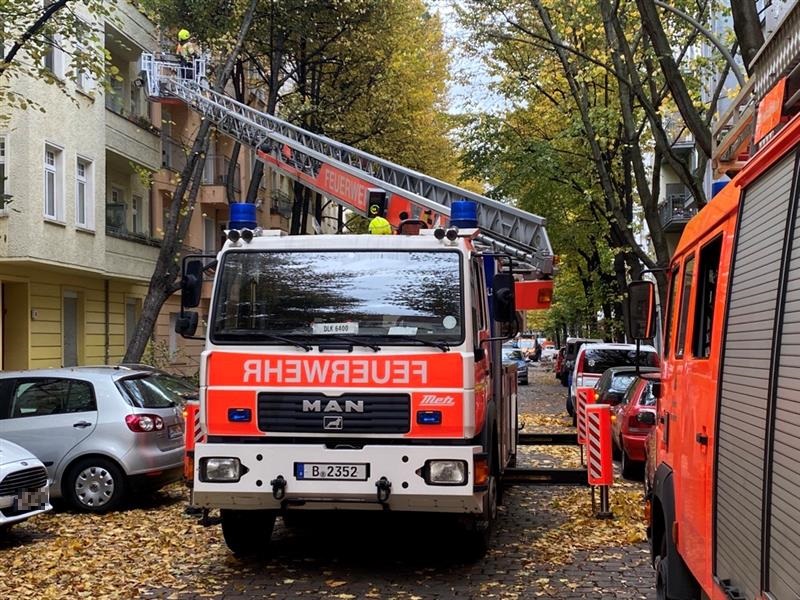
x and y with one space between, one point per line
765 103
345 174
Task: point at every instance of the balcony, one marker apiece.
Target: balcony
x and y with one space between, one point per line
173 154
281 203
133 137
676 211
215 179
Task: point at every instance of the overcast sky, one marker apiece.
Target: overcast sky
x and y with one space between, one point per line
469 89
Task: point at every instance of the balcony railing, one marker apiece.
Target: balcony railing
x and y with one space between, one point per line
281 204
215 172
676 211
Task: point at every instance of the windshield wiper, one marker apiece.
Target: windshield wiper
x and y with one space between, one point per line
249 333
443 346
346 338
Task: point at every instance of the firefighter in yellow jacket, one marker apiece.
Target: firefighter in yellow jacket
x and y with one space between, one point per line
378 225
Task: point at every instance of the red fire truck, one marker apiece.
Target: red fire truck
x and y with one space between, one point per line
724 510
353 371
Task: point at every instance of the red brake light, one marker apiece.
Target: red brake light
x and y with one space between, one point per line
144 423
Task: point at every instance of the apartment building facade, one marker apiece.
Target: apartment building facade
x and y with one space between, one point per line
84 190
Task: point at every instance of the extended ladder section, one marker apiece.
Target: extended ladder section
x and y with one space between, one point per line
343 173
770 97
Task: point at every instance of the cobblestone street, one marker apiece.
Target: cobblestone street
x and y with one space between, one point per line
391 556
153 550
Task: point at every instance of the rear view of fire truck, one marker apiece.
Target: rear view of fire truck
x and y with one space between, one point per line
725 520
356 371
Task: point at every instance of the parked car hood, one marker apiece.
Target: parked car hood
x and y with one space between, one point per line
10 452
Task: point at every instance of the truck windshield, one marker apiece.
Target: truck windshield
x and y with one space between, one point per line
373 295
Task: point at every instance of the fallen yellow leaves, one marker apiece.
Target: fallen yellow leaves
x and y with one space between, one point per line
533 421
117 555
580 530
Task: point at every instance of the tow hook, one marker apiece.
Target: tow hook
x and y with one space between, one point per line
384 489
278 487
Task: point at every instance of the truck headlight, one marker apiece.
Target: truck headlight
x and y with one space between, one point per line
220 469
446 472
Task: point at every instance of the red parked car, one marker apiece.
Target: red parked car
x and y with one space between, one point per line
631 422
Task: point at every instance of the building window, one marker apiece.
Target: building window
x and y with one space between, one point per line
53 192
84 193
115 211
209 235
53 59
4 195
136 214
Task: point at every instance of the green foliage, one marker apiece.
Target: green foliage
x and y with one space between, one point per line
75 27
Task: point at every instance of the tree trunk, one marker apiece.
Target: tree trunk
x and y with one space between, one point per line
747 25
674 78
164 281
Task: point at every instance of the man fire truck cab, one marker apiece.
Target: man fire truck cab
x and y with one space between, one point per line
724 512
353 372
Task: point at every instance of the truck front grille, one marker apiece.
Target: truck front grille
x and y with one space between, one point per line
346 414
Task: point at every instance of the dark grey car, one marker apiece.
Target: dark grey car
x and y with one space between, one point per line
101 432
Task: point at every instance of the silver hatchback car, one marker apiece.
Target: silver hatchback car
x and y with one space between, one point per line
101 432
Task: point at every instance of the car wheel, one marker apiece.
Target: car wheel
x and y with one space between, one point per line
247 532
95 484
629 468
616 453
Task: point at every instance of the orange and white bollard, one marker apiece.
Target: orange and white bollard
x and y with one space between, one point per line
598 453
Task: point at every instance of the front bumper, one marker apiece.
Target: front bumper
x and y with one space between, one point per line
400 465
24 504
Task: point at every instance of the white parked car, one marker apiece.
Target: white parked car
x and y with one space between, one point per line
24 488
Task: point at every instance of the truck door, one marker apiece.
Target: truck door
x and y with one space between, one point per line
697 399
480 332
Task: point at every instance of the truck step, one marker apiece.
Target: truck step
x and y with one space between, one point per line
547 439
545 476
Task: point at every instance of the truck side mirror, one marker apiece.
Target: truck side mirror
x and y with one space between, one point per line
642 310
503 298
192 283
186 324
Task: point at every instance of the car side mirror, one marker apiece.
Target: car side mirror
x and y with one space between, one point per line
503 308
646 418
642 310
186 324
192 283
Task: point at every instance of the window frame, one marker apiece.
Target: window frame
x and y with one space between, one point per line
701 307
57 171
5 179
674 289
682 332
88 192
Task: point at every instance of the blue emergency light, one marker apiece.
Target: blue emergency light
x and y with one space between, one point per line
464 214
429 417
240 415
243 216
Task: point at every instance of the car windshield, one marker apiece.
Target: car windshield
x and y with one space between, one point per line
512 354
311 296
597 360
149 391
621 382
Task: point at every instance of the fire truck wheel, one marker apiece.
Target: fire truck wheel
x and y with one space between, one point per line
247 532
663 570
479 530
